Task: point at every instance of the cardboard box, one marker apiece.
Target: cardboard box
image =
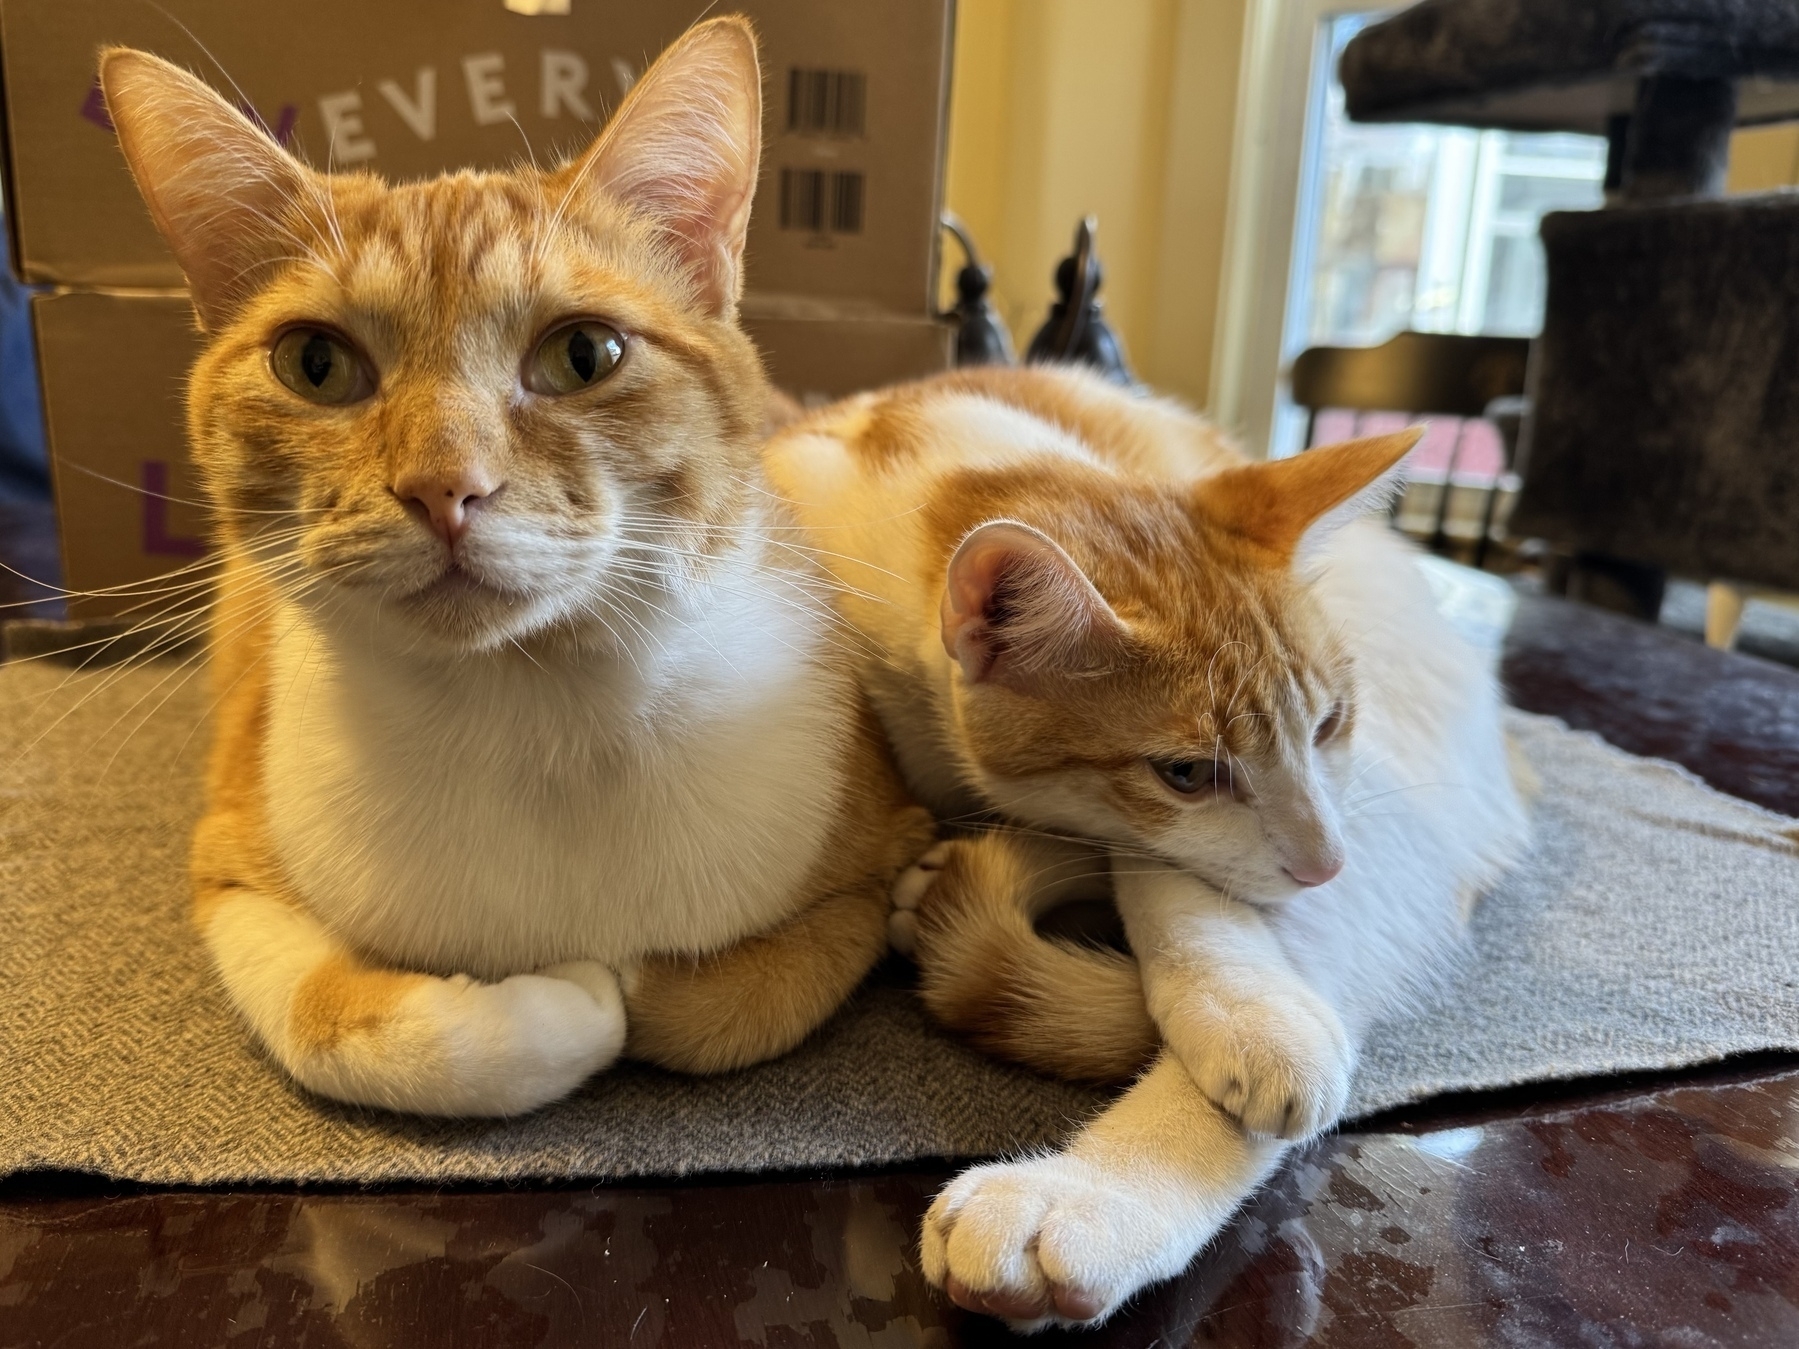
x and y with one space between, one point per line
819 358
855 96
843 241
113 368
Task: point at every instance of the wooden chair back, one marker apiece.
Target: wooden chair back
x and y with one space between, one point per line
1442 374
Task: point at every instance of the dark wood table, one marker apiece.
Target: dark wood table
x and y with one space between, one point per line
1658 1211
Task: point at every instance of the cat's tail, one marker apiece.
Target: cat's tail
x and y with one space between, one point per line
1061 1007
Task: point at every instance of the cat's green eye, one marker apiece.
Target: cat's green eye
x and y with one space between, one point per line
574 357
320 366
1187 776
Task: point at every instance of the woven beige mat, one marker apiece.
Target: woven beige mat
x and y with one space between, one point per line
1656 925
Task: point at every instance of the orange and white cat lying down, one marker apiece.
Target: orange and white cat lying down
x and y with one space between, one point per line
1085 612
503 596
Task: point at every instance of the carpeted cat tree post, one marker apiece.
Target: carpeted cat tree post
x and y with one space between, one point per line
1664 429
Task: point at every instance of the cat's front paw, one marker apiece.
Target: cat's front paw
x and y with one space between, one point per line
599 983
1047 1241
908 894
1279 1064
550 1037
457 1046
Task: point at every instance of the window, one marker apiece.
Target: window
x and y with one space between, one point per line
1343 234
1430 228
1424 227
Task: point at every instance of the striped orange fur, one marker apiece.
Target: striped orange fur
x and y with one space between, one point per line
536 739
1087 616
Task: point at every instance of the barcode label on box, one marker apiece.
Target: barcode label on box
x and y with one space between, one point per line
826 102
821 201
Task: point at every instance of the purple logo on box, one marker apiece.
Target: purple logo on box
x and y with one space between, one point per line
159 539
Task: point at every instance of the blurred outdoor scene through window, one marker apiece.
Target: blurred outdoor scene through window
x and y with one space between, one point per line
1431 228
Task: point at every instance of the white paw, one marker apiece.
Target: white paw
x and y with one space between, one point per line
459 1047
592 1036
597 980
536 1037
1279 1065
1048 1241
908 892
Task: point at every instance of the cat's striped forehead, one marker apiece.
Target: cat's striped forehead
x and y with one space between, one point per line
1216 630
1226 649
453 232
459 243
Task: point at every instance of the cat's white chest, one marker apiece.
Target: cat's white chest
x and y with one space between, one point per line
497 819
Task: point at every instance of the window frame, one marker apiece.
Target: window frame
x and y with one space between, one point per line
1275 135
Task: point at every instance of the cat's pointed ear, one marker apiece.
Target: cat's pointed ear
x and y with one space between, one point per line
684 149
220 190
1017 609
1286 506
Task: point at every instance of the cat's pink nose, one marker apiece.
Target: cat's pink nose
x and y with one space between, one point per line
446 498
1320 872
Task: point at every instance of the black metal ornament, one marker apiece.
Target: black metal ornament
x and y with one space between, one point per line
1076 330
981 336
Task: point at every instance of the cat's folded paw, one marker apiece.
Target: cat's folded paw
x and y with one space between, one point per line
1046 1242
599 982
550 1031
909 891
1278 1064
457 1046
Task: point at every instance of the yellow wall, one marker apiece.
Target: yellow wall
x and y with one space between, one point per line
1125 110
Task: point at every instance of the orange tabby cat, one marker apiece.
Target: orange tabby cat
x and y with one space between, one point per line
533 740
1088 614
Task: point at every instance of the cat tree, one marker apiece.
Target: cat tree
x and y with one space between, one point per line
1664 426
